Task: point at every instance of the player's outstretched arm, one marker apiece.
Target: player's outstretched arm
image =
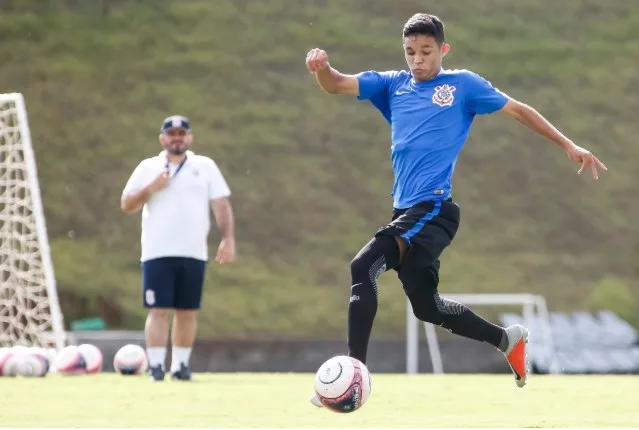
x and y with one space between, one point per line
540 125
331 80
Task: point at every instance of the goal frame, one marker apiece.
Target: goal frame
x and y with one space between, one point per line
533 307
57 322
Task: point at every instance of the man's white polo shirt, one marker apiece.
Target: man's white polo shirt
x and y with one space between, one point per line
176 220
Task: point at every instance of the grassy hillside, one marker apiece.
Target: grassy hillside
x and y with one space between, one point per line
310 172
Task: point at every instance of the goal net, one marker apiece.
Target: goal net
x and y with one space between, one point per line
534 316
29 309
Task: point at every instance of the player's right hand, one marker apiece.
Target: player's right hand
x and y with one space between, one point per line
316 60
160 182
586 159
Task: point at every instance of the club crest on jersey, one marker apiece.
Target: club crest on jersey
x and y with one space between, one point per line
443 95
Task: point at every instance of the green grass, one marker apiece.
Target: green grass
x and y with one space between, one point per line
281 400
309 172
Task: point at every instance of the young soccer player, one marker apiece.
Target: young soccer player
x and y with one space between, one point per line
430 111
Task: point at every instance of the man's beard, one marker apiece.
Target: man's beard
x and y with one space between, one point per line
176 150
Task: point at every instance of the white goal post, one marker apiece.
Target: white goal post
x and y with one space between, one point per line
29 308
534 313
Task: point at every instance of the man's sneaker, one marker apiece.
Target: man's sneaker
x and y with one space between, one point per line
516 352
156 373
184 374
316 401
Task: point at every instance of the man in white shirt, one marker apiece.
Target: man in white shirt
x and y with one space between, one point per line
176 191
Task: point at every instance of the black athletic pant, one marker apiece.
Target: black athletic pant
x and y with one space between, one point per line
428 228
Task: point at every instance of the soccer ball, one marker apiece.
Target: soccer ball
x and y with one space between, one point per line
92 357
11 360
22 361
5 355
130 360
70 361
343 384
34 363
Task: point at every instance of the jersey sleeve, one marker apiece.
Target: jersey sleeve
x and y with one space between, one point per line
137 180
375 87
218 188
482 97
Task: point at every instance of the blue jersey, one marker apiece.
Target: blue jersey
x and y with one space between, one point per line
429 123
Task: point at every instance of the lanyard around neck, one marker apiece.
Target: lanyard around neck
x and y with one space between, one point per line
179 167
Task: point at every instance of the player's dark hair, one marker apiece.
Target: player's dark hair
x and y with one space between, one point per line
425 24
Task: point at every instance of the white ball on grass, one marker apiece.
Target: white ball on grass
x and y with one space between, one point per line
33 364
92 356
13 360
130 360
343 384
5 354
70 362
11 365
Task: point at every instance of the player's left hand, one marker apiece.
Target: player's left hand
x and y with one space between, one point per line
586 158
226 251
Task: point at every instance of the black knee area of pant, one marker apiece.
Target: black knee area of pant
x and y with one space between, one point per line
426 304
425 307
430 307
379 255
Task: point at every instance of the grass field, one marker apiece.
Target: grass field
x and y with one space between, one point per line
281 400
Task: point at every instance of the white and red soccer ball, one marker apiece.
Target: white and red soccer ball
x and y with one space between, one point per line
79 360
130 360
23 361
70 361
343 384
93 357
12 360
6 358
35 363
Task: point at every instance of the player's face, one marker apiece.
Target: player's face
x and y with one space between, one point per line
424 55
175 140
